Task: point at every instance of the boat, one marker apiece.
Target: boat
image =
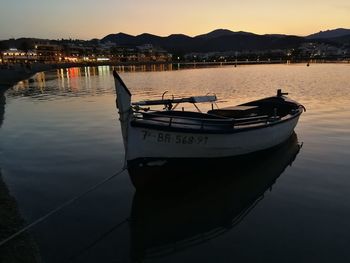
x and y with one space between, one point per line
150 134
215 198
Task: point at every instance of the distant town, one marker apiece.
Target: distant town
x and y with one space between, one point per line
217 46
79 51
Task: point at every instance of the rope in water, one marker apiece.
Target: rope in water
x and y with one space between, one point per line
60 207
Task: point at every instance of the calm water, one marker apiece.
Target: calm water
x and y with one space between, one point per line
60 135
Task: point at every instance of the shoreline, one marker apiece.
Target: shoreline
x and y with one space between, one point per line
22 248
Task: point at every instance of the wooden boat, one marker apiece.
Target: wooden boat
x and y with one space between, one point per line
222 132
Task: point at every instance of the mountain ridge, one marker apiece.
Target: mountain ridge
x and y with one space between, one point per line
219 40
222 40
329 33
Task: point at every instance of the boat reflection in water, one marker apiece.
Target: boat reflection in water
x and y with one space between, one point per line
214 198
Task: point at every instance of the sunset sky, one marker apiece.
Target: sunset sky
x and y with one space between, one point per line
86 19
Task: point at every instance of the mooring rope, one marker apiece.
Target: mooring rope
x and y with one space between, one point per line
60 207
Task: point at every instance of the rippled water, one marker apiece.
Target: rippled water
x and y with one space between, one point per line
60 135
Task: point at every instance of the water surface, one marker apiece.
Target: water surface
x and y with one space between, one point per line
60 135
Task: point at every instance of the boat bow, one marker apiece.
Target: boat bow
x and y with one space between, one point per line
123 103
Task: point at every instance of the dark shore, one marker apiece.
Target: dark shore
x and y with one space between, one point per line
22 248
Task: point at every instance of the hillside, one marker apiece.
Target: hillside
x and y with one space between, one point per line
334 33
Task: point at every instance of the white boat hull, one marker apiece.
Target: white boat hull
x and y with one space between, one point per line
153 143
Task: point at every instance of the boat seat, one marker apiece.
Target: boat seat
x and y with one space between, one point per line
235 111
252 120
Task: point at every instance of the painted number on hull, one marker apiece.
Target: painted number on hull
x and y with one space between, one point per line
171 138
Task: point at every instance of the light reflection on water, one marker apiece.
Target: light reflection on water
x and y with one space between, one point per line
60 135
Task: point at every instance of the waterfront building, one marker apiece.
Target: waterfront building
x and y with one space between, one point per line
47 52
14 55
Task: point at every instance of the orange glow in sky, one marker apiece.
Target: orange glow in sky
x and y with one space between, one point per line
95 19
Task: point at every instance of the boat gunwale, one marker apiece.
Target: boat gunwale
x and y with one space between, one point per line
212 118
240 128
